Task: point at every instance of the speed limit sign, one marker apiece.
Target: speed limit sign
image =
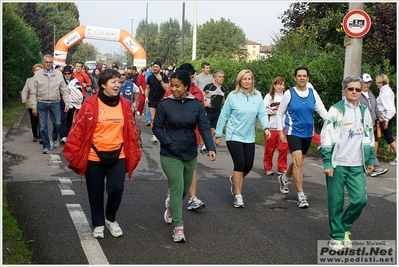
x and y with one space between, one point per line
356 23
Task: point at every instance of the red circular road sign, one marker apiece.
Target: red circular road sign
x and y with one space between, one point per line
356 23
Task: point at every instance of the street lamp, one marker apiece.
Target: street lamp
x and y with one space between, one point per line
131 29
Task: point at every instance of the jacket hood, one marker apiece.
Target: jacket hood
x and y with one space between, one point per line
189 96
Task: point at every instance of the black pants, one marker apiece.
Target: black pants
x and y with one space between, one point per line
114 184
34 122
243 155
66 121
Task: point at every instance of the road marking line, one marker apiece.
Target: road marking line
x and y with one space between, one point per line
90 245
65 187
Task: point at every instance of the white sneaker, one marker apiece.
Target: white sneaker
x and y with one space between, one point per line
154 139
303 202
114 228
178 234
195 203
238 201
336 245
393 162
269 173
98 232
55 144
283 185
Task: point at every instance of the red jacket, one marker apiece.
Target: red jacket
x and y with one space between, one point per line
80 137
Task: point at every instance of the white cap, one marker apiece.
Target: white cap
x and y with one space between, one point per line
366 77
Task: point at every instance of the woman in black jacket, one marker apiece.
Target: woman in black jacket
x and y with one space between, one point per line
174 124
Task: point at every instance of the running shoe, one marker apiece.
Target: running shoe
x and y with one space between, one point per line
238 201
203 152
378 171
195 203
283 185
269 173
347 242
154 139
114 228
303 202
393 162
178 234
336 245
98 232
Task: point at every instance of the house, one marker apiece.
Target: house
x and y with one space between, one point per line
256 50
253 49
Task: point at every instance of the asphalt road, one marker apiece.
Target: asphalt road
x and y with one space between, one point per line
52 209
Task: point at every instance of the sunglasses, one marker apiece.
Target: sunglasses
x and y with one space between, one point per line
67 73
353 88
123 74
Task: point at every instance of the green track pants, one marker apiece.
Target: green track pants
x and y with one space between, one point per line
180 176
354 179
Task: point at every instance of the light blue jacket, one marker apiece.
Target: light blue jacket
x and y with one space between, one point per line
240 112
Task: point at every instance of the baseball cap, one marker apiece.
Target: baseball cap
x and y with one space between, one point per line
366 77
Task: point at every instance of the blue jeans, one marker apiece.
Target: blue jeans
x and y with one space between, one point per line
55 116
147 113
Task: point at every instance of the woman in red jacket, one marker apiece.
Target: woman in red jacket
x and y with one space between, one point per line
103 142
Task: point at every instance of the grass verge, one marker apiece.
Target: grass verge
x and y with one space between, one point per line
15 249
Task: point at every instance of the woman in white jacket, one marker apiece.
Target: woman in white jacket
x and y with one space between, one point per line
386 104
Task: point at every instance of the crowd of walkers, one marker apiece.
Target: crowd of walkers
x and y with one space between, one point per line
93 117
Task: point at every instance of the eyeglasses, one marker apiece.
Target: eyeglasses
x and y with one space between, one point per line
67 73
353 88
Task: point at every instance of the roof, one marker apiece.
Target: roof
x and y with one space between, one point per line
249 42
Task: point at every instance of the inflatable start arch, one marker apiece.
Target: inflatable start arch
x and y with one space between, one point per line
106 34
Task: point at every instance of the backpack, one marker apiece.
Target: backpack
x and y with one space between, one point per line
75 93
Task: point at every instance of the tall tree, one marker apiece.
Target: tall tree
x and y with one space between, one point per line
323 21
21 50
152 39
219 38
28 11
170 41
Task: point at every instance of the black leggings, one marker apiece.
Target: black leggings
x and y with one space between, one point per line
243 155
387 133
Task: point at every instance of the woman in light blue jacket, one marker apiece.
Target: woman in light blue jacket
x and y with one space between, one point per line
240 110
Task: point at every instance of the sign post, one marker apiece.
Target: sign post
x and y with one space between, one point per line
359 25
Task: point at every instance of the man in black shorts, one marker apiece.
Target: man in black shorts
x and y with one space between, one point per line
157 85
214 99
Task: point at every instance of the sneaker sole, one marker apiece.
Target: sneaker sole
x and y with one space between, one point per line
196 208
238 206
98 236
181 240
381 173
303 206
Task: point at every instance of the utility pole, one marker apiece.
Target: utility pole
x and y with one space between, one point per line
353 52
182 30
146 27
194 53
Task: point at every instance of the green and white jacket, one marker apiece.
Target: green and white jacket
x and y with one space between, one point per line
331 134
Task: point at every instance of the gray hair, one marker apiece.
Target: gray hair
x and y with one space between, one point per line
216 72
350 79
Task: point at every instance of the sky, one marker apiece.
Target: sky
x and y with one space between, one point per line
258 19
